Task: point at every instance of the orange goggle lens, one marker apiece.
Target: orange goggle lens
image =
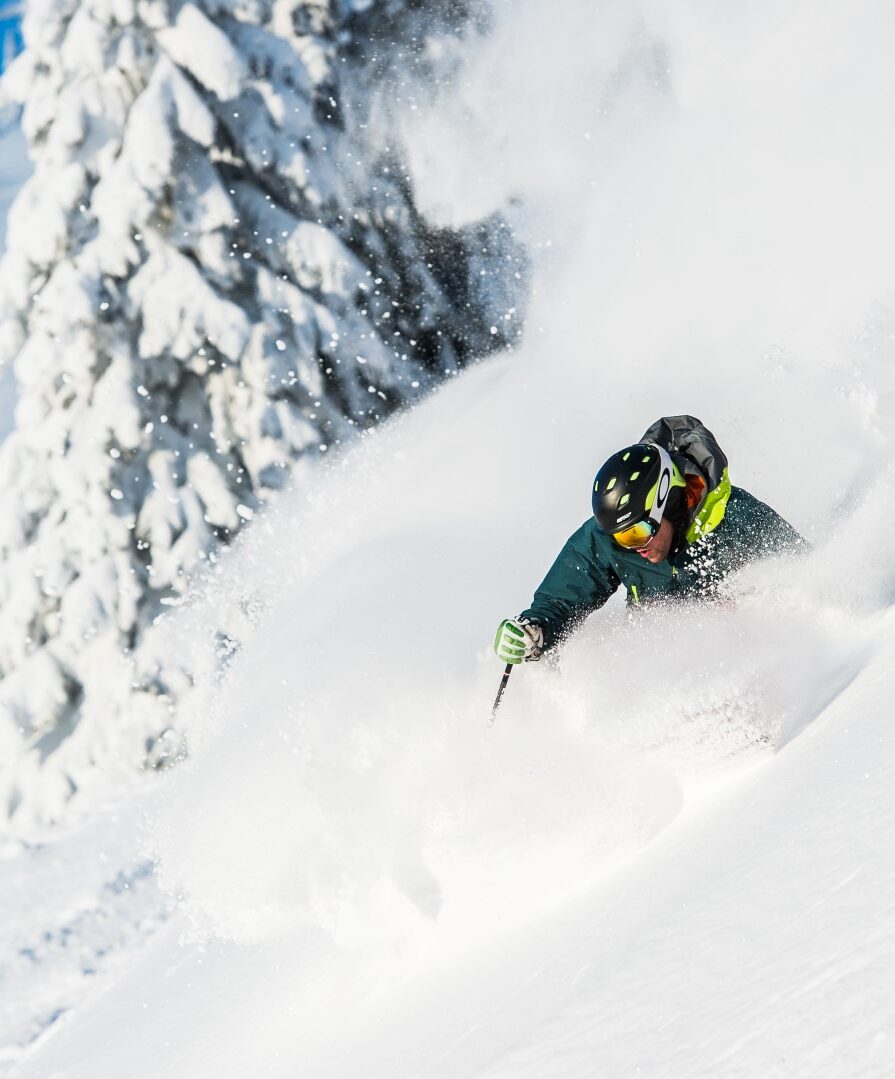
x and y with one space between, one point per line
638 535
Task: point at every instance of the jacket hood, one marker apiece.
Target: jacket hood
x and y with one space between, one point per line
696 452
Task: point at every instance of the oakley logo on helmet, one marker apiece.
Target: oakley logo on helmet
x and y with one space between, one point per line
657 510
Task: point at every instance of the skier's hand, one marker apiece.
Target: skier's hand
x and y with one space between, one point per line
518 639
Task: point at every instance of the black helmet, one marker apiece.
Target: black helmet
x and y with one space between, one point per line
634 485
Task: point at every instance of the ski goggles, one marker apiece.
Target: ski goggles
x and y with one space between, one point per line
637 535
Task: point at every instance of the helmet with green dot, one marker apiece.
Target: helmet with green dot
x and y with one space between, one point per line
634 485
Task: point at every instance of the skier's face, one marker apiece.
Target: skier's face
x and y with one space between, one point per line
658 547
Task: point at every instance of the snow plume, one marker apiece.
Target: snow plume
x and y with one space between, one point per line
710 226
709 212
343 774
344 777
214 273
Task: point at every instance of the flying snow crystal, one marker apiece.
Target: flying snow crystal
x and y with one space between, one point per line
209 233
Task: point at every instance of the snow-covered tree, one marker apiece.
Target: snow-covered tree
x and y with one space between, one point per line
214 276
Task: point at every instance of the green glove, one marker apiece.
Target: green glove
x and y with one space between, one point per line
518 639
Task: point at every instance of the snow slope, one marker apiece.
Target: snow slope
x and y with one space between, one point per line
399 889
670 856
754 937
76 907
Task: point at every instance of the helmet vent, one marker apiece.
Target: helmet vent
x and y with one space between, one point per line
626 485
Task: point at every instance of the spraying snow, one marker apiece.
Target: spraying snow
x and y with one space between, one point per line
652 855
369 726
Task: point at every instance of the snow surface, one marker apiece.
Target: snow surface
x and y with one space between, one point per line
91 900
671 855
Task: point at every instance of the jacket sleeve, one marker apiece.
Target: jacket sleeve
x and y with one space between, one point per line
578 582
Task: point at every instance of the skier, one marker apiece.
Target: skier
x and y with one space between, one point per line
666 522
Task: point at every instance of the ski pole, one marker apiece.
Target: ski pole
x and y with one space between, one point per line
503 686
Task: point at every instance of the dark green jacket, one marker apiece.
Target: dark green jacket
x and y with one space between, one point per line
591 566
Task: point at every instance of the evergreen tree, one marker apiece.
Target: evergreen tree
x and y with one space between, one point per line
214 275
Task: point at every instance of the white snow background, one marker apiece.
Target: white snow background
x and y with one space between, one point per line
671 857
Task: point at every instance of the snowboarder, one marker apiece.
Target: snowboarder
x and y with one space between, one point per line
666 522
